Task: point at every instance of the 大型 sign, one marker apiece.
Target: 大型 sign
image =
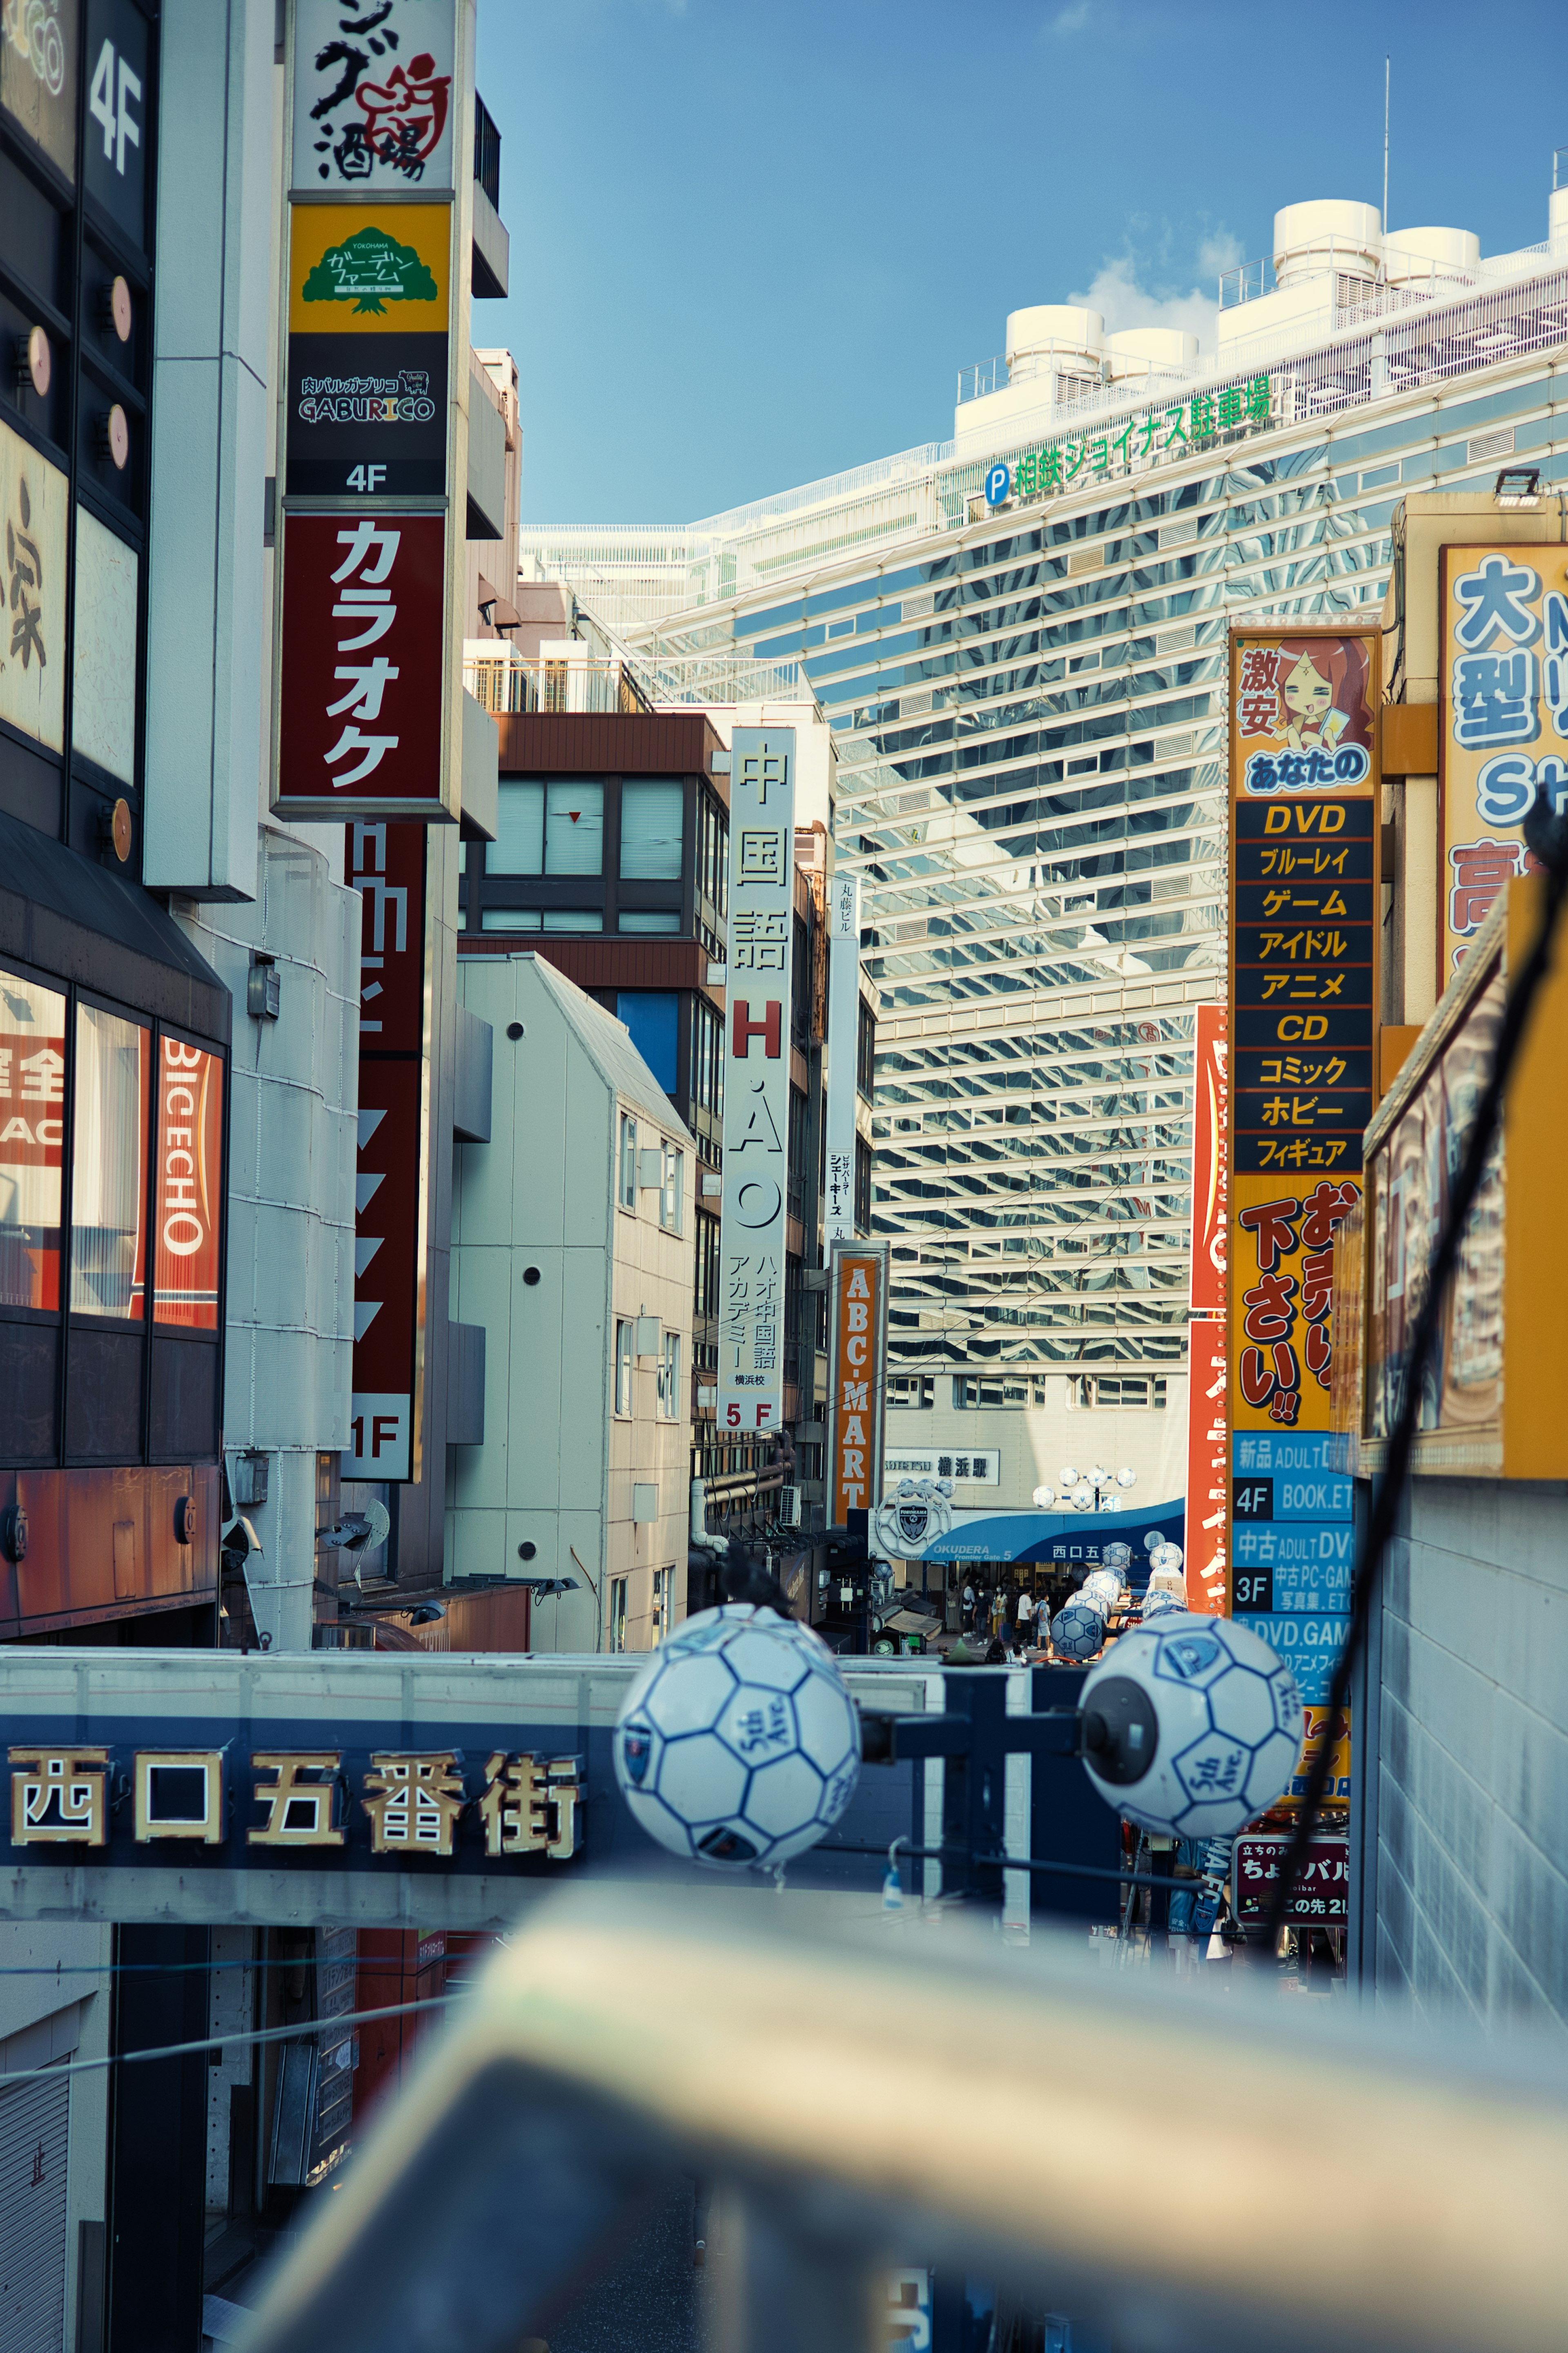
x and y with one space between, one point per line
754 1202
1502 743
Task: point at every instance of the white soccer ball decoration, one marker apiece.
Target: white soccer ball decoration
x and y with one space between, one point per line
1078 1630
1103 1584
1158 1604
1227 1723
738 1744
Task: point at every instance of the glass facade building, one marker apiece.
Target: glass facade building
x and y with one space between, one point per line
1020 638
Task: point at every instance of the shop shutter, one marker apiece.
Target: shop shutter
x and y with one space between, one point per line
33 2126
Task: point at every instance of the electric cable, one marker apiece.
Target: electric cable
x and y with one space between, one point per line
1549 841
301 2031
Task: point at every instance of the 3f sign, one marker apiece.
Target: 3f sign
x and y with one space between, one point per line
109 102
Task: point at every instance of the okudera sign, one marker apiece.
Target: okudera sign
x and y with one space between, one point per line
859 1385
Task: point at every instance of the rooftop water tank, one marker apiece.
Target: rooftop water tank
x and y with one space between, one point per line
1054 335
1138 351
1329 233
1416 256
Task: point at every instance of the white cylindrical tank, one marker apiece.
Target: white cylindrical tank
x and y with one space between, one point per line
1557 221
1328 233
1138 351
1057 335
1415 256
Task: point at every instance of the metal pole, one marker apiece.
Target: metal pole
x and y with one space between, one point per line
1386 145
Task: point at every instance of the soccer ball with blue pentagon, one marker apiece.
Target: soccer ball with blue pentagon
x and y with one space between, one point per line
1229 1725
1105 1585
738 1744
1078 1630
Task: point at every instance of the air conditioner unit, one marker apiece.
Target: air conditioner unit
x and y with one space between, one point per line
789 1507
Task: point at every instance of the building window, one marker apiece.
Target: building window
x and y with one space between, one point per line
1009 1391
707 1266
653 1017
865 1051
672 1189
670 1378
548 828
1125 1390
109 1242
651 821
862 1186
572 919
616 1616
911 1392
32 1159
624 1340
626 1179
663 1595
519 845
707 1058
645 922
509 919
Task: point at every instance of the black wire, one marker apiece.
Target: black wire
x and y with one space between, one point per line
1010 1863
1390 1488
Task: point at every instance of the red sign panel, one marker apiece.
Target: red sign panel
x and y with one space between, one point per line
1211 1192
32 1155
1207 1485
364 661
386 866
190 1185
1321 1892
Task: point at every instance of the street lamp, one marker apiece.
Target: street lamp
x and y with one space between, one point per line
1095 1490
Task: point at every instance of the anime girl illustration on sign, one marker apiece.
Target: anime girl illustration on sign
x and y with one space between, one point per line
1303 701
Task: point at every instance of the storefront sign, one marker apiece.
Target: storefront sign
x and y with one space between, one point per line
978 1466
857 1334
1502 741
923 1524
1337 1788
1211 1142
386 863
362 694
38 64
753 1230
374 100
1207 1448
368 345
843 1045
189 1205
34 500
1322 1892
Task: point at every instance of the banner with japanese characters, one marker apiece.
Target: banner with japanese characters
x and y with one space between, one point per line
1305 815
858 1338
755 1198
843 1047
368 301
1502 738
375 92
363 667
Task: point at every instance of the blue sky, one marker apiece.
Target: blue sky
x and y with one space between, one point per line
753 241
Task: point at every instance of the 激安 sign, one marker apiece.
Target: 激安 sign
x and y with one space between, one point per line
754 1202
1502 742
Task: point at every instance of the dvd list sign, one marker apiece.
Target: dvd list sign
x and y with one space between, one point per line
753 1229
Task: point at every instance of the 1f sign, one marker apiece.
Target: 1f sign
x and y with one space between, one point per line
752 1231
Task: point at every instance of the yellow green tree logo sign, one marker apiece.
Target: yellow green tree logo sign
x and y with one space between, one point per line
370 270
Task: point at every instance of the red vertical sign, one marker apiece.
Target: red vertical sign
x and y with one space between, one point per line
387 865
1211 1188
1207 1434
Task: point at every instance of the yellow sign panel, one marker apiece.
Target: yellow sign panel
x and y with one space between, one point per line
1337 1788
369 268
1503 733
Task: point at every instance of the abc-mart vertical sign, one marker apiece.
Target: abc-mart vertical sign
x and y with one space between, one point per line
753 1207
368 589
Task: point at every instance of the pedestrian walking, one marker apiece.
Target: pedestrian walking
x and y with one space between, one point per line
968 1607
1025 1618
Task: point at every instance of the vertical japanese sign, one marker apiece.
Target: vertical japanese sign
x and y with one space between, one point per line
843 1043
752 1204
1502 741
1208 1438
1304 899
386 866
189 1205
375 371
858 1336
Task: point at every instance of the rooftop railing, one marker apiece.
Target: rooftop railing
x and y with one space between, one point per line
868 2096
505 683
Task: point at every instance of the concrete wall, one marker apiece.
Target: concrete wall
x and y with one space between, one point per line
653 1276
1037 1441
1466 1814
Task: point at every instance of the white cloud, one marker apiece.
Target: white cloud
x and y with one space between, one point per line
1117 292
1073 20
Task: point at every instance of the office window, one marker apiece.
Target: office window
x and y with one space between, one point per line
509 919
911 1391
865 1051
616 1616
109 1165
573 918
32 1090
649 921
653 1017
651 832
663 1596
1021 1390
626 1179
624 1341
670 1190
519 845
573 828
670 1378
707 1266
